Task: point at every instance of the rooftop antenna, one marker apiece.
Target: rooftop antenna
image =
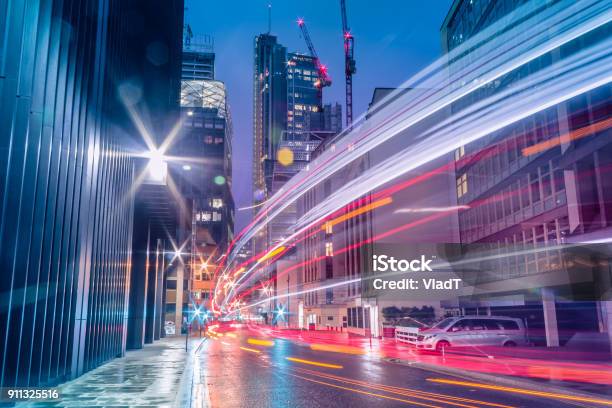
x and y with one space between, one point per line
269 18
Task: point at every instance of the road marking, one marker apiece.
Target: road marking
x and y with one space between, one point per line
522 391
315 363
366 392
250 350
433 397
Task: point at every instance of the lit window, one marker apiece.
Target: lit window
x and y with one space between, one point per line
462 187
329 249
459 153
328 228
216 216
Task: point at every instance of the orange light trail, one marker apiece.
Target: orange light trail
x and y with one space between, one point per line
259 342
337 348
271 254
568 137
314 363
522 391
359 211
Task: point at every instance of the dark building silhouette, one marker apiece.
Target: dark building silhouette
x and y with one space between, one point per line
69 258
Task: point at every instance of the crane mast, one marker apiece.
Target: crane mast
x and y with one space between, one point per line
349 63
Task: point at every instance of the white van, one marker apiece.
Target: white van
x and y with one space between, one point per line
473 331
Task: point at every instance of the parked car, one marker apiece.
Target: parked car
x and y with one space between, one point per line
469 331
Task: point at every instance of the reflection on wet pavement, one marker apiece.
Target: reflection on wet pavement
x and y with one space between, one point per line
148 377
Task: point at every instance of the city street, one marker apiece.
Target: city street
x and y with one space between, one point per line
242 369
320 203
241 376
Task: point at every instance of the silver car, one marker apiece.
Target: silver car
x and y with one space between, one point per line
473 331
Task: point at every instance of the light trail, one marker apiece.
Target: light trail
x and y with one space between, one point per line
400 228
589 16
522 102
314 363
522 391
365 392
260 342
568 19
568 137
361 210
408 392
423 81
332 348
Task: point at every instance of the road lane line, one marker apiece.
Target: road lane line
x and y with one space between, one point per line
447 399
250 350
366 392
522 391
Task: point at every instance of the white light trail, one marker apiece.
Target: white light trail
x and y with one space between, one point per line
506 50
513 48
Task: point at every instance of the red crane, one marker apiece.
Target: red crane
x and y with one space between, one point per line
349 63
324 79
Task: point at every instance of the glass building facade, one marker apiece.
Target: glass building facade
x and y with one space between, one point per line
66 173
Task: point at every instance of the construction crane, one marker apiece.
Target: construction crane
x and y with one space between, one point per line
349 63
324 79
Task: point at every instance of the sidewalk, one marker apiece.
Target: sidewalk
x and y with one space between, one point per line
158 375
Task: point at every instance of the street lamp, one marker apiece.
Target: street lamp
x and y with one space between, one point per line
157 168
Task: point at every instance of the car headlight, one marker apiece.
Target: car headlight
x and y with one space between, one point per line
431 336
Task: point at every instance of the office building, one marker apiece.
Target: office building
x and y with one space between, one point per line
269 110
204 179
304 99
523 197
68 247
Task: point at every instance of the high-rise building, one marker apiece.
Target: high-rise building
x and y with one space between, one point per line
198 62
304 100
67 209
204 179
269 110
332 118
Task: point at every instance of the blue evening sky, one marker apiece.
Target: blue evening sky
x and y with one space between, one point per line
393 40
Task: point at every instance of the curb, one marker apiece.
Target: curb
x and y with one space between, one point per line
495 380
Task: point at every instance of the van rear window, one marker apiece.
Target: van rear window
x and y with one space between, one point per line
508 324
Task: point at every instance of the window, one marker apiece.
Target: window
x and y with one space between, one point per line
508 324
203 216
535 186
329 249
461 325
462 187
546 183
459 153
